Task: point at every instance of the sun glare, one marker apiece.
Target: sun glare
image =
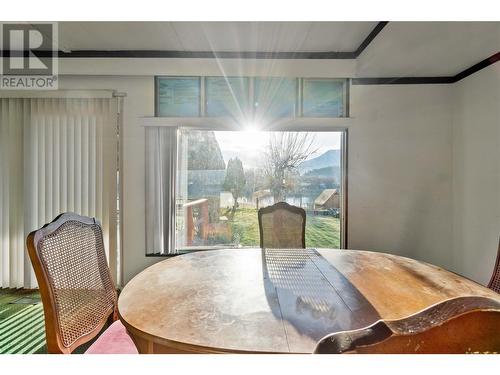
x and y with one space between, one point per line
252 127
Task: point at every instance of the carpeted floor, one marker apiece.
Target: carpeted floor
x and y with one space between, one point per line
22 328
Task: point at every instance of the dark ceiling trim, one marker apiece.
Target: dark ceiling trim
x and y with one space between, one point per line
214 54
428 80
281 55
477 67
376 30
401 80
206 55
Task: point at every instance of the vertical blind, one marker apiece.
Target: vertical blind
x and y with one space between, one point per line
56 155
161 165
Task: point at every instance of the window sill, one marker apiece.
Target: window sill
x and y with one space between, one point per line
196 249
227 123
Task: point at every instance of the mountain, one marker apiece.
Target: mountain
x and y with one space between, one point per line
330 158
326 171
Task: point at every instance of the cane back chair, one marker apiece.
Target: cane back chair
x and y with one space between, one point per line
282 226
77 291
494 283
456 326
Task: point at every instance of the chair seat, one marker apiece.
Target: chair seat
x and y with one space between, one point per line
114 340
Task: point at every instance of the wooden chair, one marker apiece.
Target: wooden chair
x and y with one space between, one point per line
494 283
77 291
282 226
458 325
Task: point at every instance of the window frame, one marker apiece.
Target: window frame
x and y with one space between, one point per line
296 124
345 95
157 94
298 98
202 113
228 126
249 93
343 183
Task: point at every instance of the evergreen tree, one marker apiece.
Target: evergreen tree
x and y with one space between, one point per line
235 180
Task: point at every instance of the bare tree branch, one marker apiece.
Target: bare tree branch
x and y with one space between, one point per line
286 152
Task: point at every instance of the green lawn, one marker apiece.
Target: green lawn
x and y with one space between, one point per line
321 231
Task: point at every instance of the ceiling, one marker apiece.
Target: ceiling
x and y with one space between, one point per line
401 49
416 49
215 36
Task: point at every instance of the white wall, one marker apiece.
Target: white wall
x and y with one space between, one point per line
476 173
399 193
135 77
401 161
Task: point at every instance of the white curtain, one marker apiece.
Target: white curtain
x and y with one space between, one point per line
56 155
161 167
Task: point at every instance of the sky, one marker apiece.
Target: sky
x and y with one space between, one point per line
249 145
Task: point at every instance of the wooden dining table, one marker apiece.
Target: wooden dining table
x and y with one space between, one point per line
276 300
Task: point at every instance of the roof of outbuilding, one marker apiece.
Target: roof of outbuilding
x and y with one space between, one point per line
324 196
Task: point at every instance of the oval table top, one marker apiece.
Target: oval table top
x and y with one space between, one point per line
276 300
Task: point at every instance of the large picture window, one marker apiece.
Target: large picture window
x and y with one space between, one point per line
224 177
205 187
254 142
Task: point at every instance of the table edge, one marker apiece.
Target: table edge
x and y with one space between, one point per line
197 348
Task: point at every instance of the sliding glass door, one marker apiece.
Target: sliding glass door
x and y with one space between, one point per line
56 155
